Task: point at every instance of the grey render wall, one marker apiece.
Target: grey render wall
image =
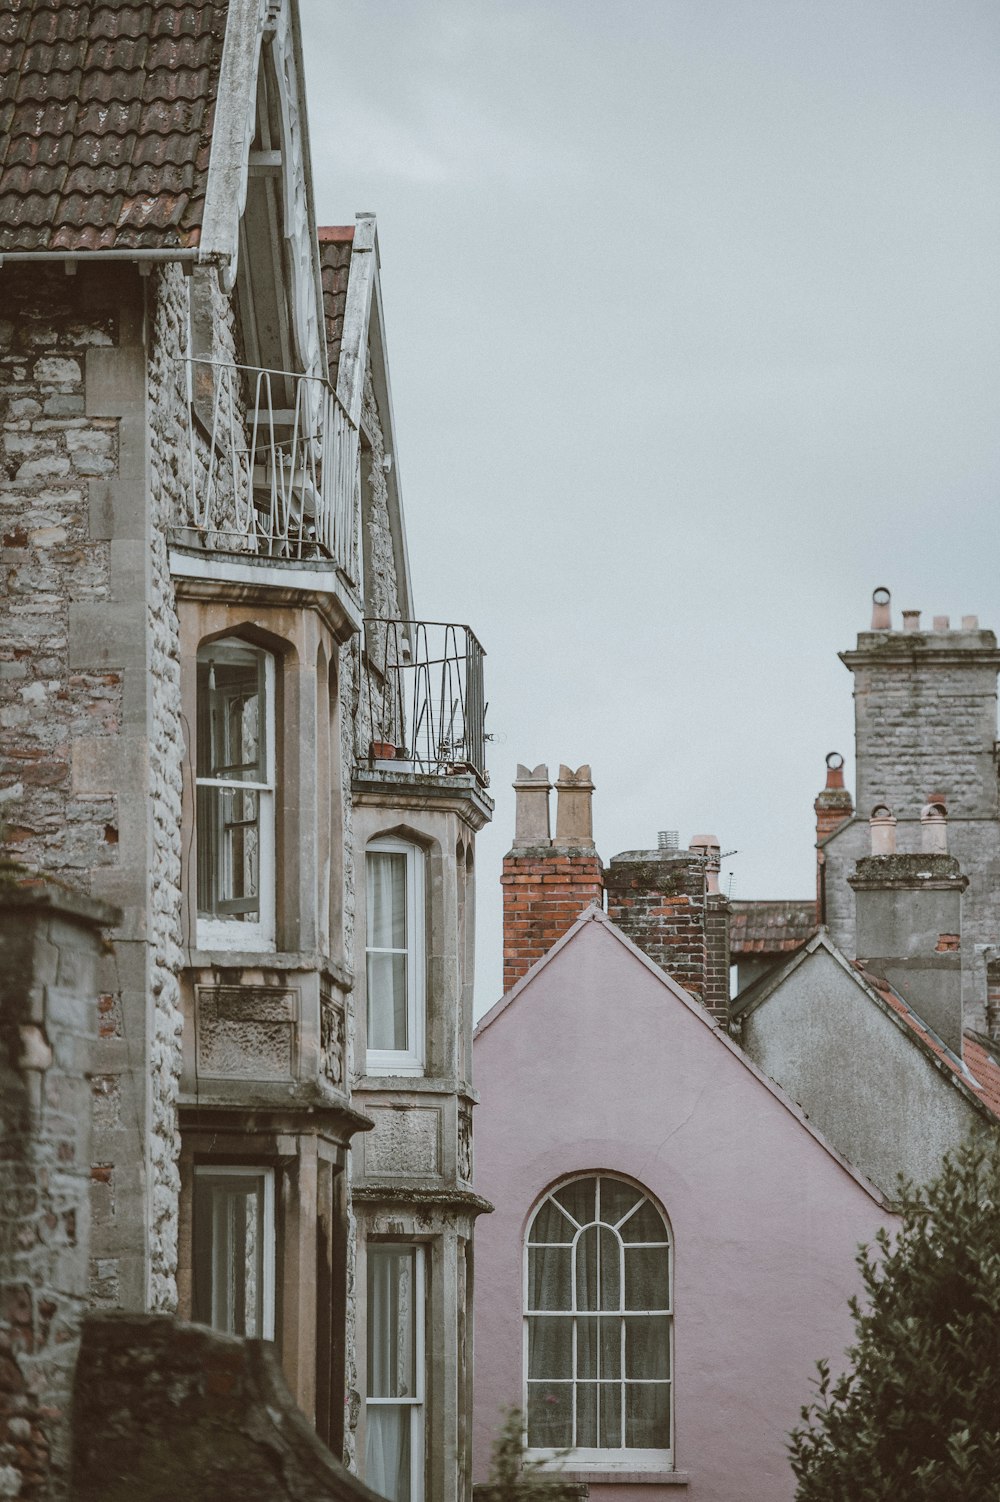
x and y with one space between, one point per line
926 722
862 1081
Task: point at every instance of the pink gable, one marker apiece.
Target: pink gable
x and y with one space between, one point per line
597 1061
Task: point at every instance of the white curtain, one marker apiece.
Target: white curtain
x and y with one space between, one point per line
391 1369
387 981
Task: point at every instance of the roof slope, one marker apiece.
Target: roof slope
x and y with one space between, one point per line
106 115
771 927
335 245
978 1072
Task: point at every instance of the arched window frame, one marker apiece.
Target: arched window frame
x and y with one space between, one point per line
215 929
411 1059
538 1389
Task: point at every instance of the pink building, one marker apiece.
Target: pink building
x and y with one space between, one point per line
673 1243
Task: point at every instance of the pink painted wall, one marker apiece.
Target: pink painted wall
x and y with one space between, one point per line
595 1062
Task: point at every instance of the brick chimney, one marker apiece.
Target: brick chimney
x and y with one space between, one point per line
833 807
547 883
668 902
909 919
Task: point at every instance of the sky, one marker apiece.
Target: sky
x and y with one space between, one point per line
693 323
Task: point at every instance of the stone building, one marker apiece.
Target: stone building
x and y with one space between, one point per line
219 713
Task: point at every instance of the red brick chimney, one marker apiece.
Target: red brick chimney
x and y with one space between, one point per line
834 806
547 883
668 902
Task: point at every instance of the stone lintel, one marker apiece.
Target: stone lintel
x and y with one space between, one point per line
459 794
44 894
248 579
908 872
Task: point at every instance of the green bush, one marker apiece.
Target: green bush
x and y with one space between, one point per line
515 1478
916 1417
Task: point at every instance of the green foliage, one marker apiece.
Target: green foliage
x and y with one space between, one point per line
515 1478
916 1418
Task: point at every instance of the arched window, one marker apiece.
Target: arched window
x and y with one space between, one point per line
598 1321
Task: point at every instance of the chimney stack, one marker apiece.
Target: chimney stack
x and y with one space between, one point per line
909 920
668 903
833 807
547 883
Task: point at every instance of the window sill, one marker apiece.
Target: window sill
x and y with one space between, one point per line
632 1478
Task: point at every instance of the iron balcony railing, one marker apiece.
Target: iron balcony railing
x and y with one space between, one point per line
273 456
423 696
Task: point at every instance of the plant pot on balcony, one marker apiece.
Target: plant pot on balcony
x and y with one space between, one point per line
382 751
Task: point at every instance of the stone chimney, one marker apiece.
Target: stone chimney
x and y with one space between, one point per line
547 883
833 807
909 920
668 902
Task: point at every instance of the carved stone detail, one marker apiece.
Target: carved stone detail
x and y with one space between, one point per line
332 1039
406 1140
246 1032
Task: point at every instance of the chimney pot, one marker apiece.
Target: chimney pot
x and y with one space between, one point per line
911 620
941 623
531 816
834 769
708 846
934 828
883 830
574 815
881 612
970 623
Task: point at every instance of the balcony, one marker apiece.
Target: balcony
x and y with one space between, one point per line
422 698
271 465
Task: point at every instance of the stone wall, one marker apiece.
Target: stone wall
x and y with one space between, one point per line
926 723
49 944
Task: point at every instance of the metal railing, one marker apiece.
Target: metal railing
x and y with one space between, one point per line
273 456
423 688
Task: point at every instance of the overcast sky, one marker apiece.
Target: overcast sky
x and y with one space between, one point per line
694 333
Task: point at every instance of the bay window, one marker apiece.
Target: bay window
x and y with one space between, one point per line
394 1407
394 873
235 796
233 1259
598 1325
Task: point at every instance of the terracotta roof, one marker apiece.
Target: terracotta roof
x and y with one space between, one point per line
771 927
335 242
980 1054
106 116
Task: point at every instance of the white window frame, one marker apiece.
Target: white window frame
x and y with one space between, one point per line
268 1249
403 1061
417 1404
577 1457
231 933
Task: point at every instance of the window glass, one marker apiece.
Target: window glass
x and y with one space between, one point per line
394 957
394 1406
598 1322
235 780
234 1251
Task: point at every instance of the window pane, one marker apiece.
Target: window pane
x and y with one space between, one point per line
586 1415
550 1347
386 899
579 1198
647 1348
550 1415
231 736
228 853
647 1416
611 1415
645 1225
616 1200
647 1277
387 1451
229 1253
586 1269
391 1311
387 1001
550 1224
598 1348
549 1277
